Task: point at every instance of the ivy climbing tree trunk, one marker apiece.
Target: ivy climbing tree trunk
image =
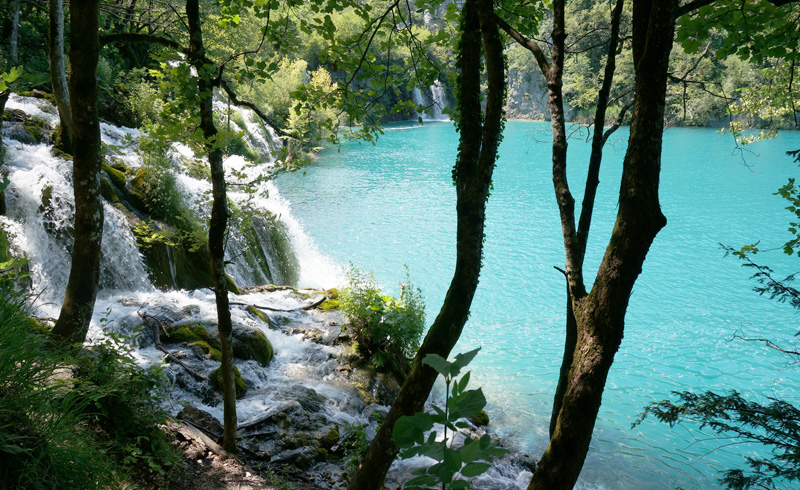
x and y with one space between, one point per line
219 218
58 73
600 313
480 137
84 276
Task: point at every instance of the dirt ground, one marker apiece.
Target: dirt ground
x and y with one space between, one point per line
206 470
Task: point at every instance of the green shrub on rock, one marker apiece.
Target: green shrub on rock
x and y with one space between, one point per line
387 330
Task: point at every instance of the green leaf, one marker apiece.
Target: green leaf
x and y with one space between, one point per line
474 469
462 383
463 359
452 460
471 451
438 363
459 485
471 403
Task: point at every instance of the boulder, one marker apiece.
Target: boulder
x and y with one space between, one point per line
251 343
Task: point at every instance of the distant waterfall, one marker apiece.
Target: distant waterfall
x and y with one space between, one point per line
433 99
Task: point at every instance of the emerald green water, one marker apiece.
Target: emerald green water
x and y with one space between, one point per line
384 206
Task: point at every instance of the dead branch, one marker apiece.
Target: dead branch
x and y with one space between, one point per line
269 308
156 324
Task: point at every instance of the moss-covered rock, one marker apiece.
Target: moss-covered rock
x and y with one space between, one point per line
212 353
259 314
330 304
331 439
331 293
250 343
108 190
34 130
215 380
57 152
117 177
136 189
231 285
481 419
189 333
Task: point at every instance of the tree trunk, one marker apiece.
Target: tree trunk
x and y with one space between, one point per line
600 314
218 223
472 174
14 52
84 276
58 77
581 237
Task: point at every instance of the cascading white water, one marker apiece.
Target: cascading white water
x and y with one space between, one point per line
433 99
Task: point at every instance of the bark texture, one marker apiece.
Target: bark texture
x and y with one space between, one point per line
600 314
58 72
472 175
581 236
218 223
84 276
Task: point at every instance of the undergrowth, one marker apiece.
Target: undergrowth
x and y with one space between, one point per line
387 329
74 419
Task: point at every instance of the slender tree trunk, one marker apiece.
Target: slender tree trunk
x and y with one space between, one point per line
58 77
590 191
473 174
14 41
218 223
14 52
84 276
600 314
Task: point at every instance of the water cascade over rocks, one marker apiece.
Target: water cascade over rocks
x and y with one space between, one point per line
301 392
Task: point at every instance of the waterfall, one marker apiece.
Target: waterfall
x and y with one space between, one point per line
275 249
433 99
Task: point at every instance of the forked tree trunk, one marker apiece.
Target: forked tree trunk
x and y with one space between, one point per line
473 175
58 73
600 314
581 238
84 276
218 223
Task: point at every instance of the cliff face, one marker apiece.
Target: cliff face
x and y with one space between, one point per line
527 95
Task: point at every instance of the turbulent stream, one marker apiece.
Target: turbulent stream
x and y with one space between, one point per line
306 383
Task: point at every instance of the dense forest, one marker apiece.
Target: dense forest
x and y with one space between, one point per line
224 95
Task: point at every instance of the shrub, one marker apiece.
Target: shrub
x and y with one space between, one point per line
126 404
388 330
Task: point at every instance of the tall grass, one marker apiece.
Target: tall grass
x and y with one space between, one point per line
43 444
70 420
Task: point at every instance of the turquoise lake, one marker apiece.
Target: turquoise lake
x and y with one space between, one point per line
385 206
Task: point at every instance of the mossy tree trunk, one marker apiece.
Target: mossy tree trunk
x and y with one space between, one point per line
599 315
84 276
58 73
219 219
473 174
